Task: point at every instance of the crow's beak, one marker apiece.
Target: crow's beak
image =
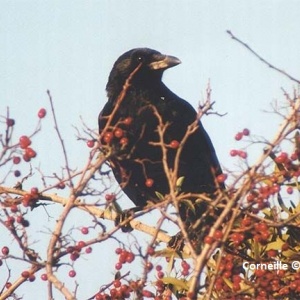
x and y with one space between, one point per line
162 62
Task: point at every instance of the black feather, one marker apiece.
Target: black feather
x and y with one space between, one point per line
139 159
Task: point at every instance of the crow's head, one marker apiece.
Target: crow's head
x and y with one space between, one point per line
150 64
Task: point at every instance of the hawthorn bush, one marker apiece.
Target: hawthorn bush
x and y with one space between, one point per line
258 224
50 231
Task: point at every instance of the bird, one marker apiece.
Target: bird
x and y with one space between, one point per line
144 125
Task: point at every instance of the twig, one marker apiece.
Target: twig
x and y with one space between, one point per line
261 58
60 139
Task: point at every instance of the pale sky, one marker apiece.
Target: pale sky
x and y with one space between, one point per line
69 48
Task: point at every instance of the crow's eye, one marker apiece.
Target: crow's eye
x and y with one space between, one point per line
140 59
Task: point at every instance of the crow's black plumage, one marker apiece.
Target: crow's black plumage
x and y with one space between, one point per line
128 125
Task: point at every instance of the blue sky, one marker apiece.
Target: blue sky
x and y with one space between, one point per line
69 47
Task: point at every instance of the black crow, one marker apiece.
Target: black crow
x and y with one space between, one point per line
138 150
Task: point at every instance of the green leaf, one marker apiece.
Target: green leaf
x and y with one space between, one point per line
178 284
159 195
116 207
169 252
228 282
188 203
179 182
171 263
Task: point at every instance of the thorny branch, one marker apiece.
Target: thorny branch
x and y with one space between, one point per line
262 59
230 210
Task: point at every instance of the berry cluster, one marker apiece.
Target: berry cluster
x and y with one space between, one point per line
24 143
30 199
117 135
240 153
28 275
185 268
75 251
229 269
124 257
118 291
277 283
29 153
19 218
241 134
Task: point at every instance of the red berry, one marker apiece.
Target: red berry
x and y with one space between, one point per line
90 143
24 141
246 131
117 283
234 152
30 152
34 191
272 253
294 156
149 266
246 222
185 272
27 199
10 122
236 286
25 274
20 219
124 141
8 285
158 268
108 137
130 257
61 185
88 250
124 288
123 257
242 154
81 244
149 182
32 278
16 160
174 144
218 234
118 266
113 293
185 265
26 157
127 121
118 133
10 221
208 240
289 190
150 251
118 251
74 255
72 273
148 294
5 250
221 178
44 277
42 113
14 208
70 249
110 197
238 136
84 230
